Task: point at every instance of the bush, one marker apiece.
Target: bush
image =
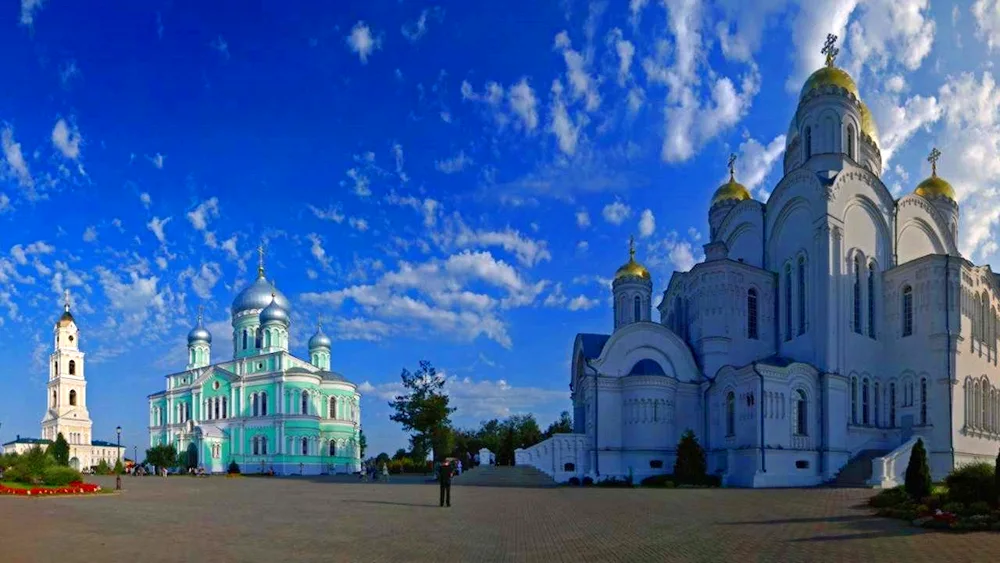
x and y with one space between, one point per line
934 501
889 498
995 501
690 467
954 508
918 474
30 467
587 481
234 468
60 476
979 508
972 483
102 468
615 483
665 481
574 481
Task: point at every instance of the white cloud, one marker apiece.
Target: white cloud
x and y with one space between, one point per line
156 225
220 45
21 253
635 8
625 51
483 399
5 205
987 16
561 125
201 215
582 303
417 29
582 219
157 160
146 199
362 42
332 213
455 164
814 20
90 234
673 253
318 252
898 121
67 139
647 224
895 84
358 224
455 234
362 187
582 247
28 9
616 213
397 153
203 279
891 30
18 167
756 160
523 103
582 85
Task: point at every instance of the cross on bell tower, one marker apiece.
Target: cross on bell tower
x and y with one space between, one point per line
830 49
631 248
933 158
66 300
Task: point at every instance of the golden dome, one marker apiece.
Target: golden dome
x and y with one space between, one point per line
935 186
868 124
731 190
830 76
632 269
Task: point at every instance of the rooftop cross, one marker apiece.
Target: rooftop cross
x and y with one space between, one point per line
631 247
260 264
933 158
732 166
201 309
319 322
66 299
830 49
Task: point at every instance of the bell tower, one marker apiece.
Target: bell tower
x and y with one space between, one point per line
66 393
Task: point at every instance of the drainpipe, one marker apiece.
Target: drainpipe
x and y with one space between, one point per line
947 354
763 453
597 456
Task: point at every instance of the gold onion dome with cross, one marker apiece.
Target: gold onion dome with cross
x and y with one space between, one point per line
830 75
731 190
935 186
632 269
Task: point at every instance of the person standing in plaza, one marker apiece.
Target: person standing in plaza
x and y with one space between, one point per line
385 472
444 478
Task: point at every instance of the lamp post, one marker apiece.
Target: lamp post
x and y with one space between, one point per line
118 475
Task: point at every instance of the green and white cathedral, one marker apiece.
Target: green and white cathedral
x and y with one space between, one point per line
265 409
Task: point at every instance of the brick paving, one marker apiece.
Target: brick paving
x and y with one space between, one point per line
336 519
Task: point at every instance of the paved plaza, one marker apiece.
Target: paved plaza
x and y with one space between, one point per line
336 519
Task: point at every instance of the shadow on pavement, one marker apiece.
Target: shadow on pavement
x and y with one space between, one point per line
832 519
392 503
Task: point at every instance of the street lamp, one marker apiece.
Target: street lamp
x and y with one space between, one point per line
118 475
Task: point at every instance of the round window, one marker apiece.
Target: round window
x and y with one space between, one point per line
215 385
71 338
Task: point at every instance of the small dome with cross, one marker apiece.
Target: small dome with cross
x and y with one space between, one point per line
935 186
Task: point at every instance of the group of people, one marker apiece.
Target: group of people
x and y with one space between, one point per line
372 472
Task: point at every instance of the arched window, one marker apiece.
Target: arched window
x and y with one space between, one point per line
305 446
808 142
864 403
332 408
984 312
907 310
263 444
636 309
72 367
871 300
72 398
255 405
333 448
256 445
752 314
788 301
850 142
799 416
802 294
878 397
192 356
857 294
730 414
267 338
224 409
244 339
55 366
54 397
263 404
854 400
305 403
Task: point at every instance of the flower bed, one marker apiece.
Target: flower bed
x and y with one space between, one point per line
75 488
936 511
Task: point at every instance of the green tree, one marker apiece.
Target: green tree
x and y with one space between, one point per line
162 456
362 442
59 450
690 467
400 454
30 467
382 458
562 426
423 409
103 468
918 473
996 481
119 468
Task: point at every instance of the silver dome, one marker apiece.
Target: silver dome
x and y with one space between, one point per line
257 296
274 313
319 340
199 334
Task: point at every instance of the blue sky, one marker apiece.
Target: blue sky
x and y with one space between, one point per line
454 182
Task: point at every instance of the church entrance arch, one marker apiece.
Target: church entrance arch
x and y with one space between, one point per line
75 463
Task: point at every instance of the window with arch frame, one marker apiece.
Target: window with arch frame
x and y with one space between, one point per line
802 294
923 401
850 142
788 302
871 299
892 404
333 448
907 310
730 414
865 389
808 142
800 417
637 309
752 318
856 319
854 400
305 446
305 402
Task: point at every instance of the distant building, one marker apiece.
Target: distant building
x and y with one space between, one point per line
265 409
67 403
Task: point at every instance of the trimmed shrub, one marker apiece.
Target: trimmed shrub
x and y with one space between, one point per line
955 508
979 508
690 467
587 481
102 468
888 498
918 473
234 468
664 481
615 483
60 476
995 501
574 481
972 483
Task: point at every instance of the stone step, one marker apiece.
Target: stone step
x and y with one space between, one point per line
503 476
858 470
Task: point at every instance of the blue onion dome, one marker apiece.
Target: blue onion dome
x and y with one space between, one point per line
319 340
274 312
258 295
199 333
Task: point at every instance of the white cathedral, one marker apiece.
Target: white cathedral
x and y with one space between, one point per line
827 330
66 399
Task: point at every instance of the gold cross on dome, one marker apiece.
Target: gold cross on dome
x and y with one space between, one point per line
732 165
830 49
631 247
933 158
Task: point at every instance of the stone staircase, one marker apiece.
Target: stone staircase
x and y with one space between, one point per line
857 471
504 476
